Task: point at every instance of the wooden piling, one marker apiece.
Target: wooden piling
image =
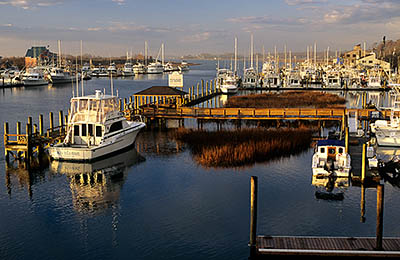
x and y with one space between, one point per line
379 216
41 127
253 214
346 139
6 132
363 163
51 121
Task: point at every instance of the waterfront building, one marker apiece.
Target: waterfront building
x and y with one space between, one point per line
38 55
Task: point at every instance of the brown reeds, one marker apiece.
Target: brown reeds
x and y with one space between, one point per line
288 99
243 147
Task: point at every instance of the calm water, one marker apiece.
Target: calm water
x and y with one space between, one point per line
155 202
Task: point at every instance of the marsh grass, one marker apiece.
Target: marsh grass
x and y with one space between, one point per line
288 99
243 147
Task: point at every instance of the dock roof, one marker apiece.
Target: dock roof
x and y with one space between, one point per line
161 91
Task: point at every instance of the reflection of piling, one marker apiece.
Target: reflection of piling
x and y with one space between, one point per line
253 215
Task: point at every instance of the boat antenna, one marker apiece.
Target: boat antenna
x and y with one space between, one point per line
82 66
112 85
76 74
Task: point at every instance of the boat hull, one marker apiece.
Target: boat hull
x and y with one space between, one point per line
82 154
35 82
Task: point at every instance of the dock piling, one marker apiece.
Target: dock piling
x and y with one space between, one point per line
379 216
253 215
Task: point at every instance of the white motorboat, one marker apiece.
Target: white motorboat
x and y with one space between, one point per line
184 66
331 159
229 85
96 129
33 77
387 132
139 68
112 69
272 80
250 78
128 69
59 76
155 68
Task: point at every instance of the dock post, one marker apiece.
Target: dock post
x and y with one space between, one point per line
61 120
379 216
363 163
253 215
6 132
202 88
51 121
346 139
28 153
41 124
362 206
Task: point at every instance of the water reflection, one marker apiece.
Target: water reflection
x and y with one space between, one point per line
96 186
330 187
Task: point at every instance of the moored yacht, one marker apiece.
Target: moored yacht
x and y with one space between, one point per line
128 69
96 128
33 77
59 75
155 68
139 68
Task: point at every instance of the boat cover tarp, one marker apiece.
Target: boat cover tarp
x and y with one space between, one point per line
330 142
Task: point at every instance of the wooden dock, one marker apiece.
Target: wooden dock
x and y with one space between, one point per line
326 246
328 114
322 246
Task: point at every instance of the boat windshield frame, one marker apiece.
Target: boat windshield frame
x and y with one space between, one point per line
92 109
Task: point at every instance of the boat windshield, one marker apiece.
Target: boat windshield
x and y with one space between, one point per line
92 109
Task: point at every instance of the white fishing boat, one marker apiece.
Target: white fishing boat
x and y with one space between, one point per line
139 68
229 85
293 80
96 128
332 80
33 77
272 80
59 76
250 78
155 68
387 132
128 69
331 159
184 66
169 67
112 69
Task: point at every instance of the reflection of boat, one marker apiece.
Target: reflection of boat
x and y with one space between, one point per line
96 186
96 128
330 187
330 159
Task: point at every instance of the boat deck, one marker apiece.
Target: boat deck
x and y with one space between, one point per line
326 246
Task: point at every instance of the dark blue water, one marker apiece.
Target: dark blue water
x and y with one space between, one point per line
155 201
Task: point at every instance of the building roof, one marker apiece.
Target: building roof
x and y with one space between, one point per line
37 51
161 91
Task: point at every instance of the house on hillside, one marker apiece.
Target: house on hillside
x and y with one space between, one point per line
370 61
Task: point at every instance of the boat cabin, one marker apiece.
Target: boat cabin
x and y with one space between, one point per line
329 149
88 116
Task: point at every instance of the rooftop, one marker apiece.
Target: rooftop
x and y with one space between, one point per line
161 91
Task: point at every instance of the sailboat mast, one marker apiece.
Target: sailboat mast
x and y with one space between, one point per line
162 54
251 51
82 66
235 55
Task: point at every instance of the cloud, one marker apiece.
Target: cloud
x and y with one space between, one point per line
304 2
267 20
29 4
198 37
119 2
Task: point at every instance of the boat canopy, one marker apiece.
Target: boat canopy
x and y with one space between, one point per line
330 142
93 108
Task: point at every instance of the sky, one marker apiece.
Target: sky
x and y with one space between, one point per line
113 27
